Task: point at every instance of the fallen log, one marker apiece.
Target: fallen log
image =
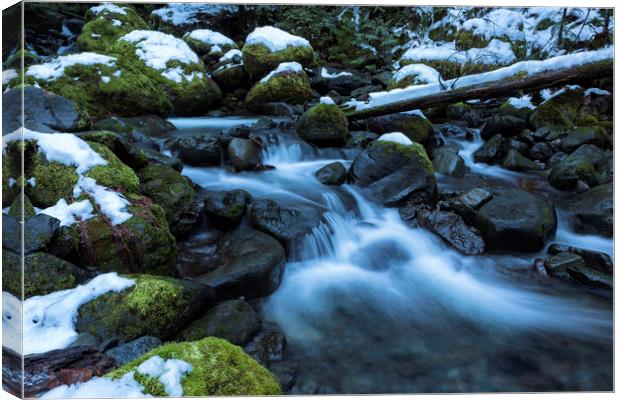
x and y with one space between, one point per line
488 90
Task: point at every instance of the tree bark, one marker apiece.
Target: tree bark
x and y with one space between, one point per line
489 90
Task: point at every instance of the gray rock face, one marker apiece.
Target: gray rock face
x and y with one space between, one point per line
39 231
11 233
592 212
594 259
467 204
516 221
446 160
332 174
516 162
233 320
453 230
129 351
559 264
588 163
244 154
197 148
505 125
43 111
225 209
492 150
150 125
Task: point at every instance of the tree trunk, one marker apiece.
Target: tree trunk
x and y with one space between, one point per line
489 90
561 29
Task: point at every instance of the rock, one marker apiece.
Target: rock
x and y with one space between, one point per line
218 369
592 212
505 125
361 139
43 274
591 277
559 264
174 193
588 163
129 351
560 111
65 244
230 76
209 45
245 154
508 109
594 259
44 111
201 149
453 230
361 93
516 162
344 82
467 204
492 150
516 221
154 306
243 262
393 173
287 224
100 31
595 135
288 87
39 231
233 320
446 160
136 127
323 124
225 209
11 234
272 346
414 126
540 151
332 174
285 371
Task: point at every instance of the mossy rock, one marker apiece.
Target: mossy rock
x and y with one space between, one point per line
114 174
292 88
415 127
10 169
154 305
15 61
143 243
561 111
43 274
17 208
104 29
218 369
204 50
258 59
323 123
174 193
465 40
508 109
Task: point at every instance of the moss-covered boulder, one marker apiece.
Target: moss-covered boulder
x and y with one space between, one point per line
562 111
11 167
414 74
115 174
592 212
231 76
587 164
289 85
261 54
174 193
143 243
208 44
154 305
105 24
415 126
218 368
323 124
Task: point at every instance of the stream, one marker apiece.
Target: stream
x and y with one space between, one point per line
371 305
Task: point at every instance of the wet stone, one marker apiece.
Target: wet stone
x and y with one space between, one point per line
561 262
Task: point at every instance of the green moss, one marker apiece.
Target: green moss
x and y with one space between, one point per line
114 174
544 24
258 60
519 47
15 61
54 181
465 40
414 150
453 69
10 189
218 369
323 123
204 49
100 32
287 87
561 111
16 209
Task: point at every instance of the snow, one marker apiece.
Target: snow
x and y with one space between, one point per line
286 67
99 387
189 13
419 113
521 102
326 100
327 75
49 321
108 8
422 72
55 69
230 55
496 52
275 39
116 22
68 213
168 372
597 91
548 94
530 67
156 49
105 79
395 137
8 75
112 204
210 37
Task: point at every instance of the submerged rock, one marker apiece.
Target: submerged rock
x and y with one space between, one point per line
453 230
332 174
225 209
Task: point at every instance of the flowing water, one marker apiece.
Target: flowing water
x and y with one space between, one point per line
370 305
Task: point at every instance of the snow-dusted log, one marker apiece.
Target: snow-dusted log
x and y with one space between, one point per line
553 72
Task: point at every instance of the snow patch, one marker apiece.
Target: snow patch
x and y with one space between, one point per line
395 137
422 72
189 13
522 102
419 113
168 372
116 22
275 39
597 91
283 68
496 52
327 75
55 69
99 387
210 37
49 321
105 79
68 213
8 75
327 100
108 8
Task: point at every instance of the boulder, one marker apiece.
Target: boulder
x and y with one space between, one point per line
208 44
225 209
131 350
446 160
594 259
174 193
245 154
453 230
136 127
326 79
505 125
393 173
414 126
11 233
332 174
595 135
242 262
361 139
39 232
230 76
559 264
516 221
591 277
218 368
588 164
592 212
516 162
155 306
492 150
43 111
540 151
105 25
323 124
560 111
288 86
467 204
233 320
199 148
